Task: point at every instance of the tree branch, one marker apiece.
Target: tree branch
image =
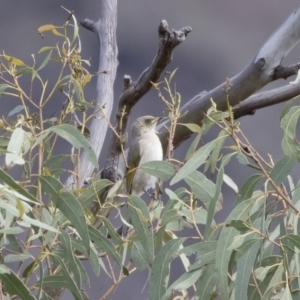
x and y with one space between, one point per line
266 99
285 72
105 29
263 68
134 91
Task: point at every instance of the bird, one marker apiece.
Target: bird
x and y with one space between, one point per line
145 147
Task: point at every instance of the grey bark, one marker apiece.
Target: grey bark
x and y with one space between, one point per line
105 29
259 72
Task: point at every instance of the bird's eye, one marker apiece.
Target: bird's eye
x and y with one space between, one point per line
148 121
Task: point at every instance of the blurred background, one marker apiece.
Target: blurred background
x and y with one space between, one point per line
225 37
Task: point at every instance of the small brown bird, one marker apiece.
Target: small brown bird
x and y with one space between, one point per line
145 147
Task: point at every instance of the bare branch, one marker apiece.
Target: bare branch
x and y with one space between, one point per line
134 91
266 99
261 70
285 72
105 29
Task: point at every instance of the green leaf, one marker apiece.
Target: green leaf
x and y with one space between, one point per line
74 137
105 244
289 143
240 212
55 162
206 254
5 86
240 225
200 248
287 293
276 279
212 205
139 256
40 138
242 158
46 60
69 256
286 107
56 281
244 269
160 169
32 221
112 232
71 285
202 187
16 110
14 61
75 33
207 282
93 259
213 159
14 243
194 162
68 205
247 188
13 184
160 269
171 216
294 239
192 127
17 257
4 269
91 193
182 283
14 286
19 144
282 169
140 217
43 49
230 183
193 146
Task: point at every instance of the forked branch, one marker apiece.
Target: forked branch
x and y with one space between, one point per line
135 90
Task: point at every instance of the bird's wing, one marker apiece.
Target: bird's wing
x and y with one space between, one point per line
133 161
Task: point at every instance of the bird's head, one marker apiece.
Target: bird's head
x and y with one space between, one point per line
143 125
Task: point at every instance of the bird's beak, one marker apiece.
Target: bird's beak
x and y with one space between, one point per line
155 120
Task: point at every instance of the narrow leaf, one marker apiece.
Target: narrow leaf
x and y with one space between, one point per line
160 169
68 205
16 110
182 283
140 217
202 187
240 212
14 185
194 162
14 286
69 256
247 188
289 143
244 269
160 269
105 244
74 137
282 169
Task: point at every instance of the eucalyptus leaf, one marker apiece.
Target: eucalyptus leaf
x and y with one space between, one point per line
74 137
14 286
16 110
288 123
160 169
160 269
140 217
194 162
